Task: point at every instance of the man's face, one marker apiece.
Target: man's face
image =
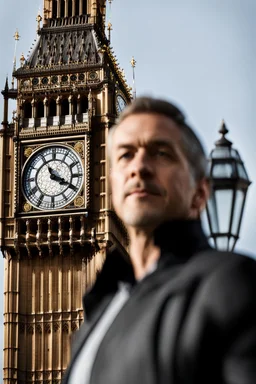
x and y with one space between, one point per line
150 176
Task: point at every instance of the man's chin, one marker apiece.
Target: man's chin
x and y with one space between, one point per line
148 219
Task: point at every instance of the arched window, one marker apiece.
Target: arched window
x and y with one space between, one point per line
27 110
84 105
84 7
69 7
74 106
77 7
62 8
40 109
52 108
54 9
64 107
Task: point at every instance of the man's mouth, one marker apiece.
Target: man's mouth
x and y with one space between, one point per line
143 192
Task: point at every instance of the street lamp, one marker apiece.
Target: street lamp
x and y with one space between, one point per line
229 185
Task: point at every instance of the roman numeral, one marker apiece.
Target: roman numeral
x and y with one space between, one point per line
73 187
40 198
64 197
53 153
33 191
43 159
52 201
73 164
31 179
77 175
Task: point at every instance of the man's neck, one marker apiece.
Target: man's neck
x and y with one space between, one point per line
143 252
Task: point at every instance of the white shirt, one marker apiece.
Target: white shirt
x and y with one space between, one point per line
82 367
81 370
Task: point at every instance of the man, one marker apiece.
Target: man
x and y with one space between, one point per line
177 311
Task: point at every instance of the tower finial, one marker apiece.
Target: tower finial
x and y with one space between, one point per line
109 31
223 141
16 37
6 88
38 19
109 26
133 64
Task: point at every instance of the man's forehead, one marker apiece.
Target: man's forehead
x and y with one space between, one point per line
147 127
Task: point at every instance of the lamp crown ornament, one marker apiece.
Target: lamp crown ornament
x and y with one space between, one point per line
223 141
229 184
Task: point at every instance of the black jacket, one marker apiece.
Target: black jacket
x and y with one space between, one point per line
192 321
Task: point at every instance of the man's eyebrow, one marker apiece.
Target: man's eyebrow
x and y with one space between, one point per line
124 146
162 143
152 143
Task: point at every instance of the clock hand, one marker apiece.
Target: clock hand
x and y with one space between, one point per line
63 182
73 187
56 178
54 175
50 170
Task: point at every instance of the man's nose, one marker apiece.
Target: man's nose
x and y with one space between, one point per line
141 165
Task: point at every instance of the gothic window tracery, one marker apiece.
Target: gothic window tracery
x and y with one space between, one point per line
54 9
77 7
65 107
69 8
52 108
27 110
84 7
62 8
84 105
40 109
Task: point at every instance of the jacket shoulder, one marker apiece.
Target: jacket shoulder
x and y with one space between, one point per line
228 288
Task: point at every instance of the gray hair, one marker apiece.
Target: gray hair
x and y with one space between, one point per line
190 143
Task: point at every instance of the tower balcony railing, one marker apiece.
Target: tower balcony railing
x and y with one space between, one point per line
66 21
54 121
54 235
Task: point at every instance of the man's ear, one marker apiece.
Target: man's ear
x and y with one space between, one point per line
201 195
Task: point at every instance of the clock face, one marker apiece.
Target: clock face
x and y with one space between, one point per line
52 177
120 103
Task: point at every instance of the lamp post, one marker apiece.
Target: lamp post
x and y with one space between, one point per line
229 185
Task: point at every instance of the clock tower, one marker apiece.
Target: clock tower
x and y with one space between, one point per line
56 218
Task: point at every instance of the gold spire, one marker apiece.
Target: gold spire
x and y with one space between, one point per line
38 19
109 30
16 37
22 59
133 64
109 26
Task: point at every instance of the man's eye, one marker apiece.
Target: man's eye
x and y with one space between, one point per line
163 153
125 156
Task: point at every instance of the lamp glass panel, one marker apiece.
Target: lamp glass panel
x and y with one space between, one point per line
224 199
212 214
224 171
239 200
222 243
221 152
242 172
235 154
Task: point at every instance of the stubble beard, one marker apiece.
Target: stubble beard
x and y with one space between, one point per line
145 217
152 216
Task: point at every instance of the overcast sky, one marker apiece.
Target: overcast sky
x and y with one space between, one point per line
200 54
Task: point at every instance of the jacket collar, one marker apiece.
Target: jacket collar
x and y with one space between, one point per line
178 240
182 238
